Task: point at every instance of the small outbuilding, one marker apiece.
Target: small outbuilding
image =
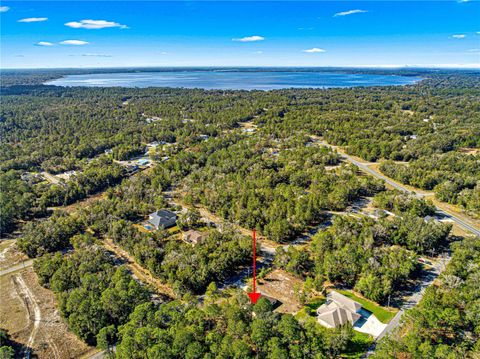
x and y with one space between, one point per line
193 237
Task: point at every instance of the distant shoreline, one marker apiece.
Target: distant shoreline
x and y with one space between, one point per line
234 79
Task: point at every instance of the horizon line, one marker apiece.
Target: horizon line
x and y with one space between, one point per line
383 67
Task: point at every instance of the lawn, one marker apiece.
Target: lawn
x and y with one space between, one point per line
384 315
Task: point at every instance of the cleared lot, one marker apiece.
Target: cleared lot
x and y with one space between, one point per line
282 286
29 313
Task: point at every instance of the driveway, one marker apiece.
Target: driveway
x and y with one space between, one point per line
371 326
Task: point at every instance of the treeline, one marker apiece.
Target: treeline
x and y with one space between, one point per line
374 257
7 350
399 203
446 322
53 234
226 328
22 199
454 177
57 129
185 267
94 296
16 200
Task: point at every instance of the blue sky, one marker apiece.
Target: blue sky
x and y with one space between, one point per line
186 33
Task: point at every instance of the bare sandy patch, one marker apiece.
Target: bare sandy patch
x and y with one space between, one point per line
29 313
282 286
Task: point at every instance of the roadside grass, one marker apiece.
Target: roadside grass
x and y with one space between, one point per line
383 314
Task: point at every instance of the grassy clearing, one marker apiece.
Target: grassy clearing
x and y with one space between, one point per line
384 315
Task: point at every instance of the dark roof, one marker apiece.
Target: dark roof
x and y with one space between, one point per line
162 217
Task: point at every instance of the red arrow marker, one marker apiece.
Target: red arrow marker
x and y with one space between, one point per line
254 296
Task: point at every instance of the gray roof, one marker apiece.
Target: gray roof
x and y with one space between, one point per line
344 301
338 310
336 316
162 218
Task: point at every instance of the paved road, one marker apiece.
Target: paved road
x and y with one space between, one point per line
17 267
416 295
470 228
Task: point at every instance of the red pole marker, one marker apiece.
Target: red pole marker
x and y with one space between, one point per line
254 296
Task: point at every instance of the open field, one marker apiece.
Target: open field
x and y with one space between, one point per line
30 314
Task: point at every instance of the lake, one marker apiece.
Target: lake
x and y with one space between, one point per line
233 80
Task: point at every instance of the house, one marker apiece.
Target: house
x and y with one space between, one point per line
32 178
131 168
162 219
248 130
338 310
143 162
193 237
153 144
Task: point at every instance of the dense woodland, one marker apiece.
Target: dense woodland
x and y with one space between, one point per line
47 128
446 323
374 257
255 159
453 176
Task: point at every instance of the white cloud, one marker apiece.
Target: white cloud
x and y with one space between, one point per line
94 24
314 50
44 43
463 1
349 12
459 36
250 38
258 52
4 8
33 19
96 55
74 42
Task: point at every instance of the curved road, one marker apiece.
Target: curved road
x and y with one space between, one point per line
468 227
